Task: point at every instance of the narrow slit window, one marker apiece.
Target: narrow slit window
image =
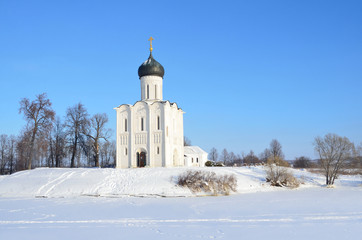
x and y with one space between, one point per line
155 91
142 127
158 150
158 123
125 125
148 91
125 151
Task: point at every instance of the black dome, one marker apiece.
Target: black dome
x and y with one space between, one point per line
151 68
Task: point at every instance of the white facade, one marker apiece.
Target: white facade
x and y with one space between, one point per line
150 132
195 156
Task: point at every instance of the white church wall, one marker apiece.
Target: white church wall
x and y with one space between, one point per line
157 125
161 141
179 135
175 139
123 135
140 131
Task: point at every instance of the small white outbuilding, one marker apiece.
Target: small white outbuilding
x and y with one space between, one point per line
195 156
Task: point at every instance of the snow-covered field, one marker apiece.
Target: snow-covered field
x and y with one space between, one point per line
131 204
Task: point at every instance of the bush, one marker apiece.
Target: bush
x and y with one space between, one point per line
218 164
209 164
302 162
278 161
280 176
209 182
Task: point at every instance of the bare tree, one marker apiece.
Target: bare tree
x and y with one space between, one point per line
87 153
358 161
39 116
41 149
22 149
359 149
57 144
107 151
7 154
334 153
251 159
11 153
97 131
265 155
224 156
75 122
232 159
276 149
3 152
187 141
302 162
213 155
276 156
238 160
114 153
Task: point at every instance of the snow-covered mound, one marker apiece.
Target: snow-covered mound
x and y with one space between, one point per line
65 182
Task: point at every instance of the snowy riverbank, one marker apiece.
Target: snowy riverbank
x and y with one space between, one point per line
65 182
111 203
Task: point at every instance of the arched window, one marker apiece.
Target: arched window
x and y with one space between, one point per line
142 124
148 91
158 123
197 160
125 125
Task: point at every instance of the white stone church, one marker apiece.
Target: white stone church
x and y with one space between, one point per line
150 132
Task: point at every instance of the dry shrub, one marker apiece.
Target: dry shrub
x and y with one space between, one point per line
199 181
280 176
278 161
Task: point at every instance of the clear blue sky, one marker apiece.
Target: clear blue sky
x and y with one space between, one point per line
245 72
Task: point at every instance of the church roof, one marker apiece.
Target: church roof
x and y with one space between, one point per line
163 102
188 150
151 68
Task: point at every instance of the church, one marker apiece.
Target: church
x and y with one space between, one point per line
150 132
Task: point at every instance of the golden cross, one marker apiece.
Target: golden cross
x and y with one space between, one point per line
150 39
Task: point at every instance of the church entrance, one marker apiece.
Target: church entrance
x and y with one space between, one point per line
141 159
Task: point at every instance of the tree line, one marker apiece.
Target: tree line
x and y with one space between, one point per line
227 158
336 154
47 140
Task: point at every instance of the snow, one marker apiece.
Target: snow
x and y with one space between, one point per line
65 182
61 204
193 150
58 182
